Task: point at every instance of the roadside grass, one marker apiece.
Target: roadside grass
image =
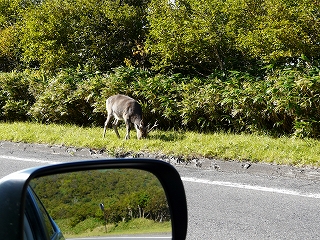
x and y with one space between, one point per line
94 227
242 147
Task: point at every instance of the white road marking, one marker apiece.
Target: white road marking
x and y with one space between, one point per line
251 187
27 159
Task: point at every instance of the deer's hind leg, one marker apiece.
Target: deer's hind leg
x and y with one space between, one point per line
128 127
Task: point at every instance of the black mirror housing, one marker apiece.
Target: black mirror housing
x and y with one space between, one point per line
13 190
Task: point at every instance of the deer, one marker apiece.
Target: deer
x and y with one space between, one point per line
122 107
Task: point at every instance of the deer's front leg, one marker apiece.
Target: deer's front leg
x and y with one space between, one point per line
115 127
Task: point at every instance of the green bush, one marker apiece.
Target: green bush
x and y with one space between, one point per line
282 102
15 98
57 102
295 95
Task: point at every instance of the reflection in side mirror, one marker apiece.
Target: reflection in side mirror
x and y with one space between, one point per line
103 202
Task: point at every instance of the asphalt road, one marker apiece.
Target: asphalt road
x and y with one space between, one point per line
226 200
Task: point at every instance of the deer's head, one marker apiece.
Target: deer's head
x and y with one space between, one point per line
142 130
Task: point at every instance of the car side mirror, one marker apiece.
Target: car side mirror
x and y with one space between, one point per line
129 184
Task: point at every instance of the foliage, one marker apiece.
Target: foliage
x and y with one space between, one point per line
185 36
15 98
160 96
126 194
295 97
11 13
276 31
281 102
61 33
200 36
9 51
61 99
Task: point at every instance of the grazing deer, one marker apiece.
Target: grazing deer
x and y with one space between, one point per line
121 107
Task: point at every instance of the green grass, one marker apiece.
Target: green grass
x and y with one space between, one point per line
255 148
94 227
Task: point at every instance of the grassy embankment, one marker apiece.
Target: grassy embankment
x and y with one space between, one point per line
92 227
255 148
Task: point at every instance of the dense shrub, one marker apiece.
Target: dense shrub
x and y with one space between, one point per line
15 98
59 103
160 96
295 96
282 102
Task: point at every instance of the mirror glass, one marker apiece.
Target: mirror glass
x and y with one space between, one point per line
105 202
